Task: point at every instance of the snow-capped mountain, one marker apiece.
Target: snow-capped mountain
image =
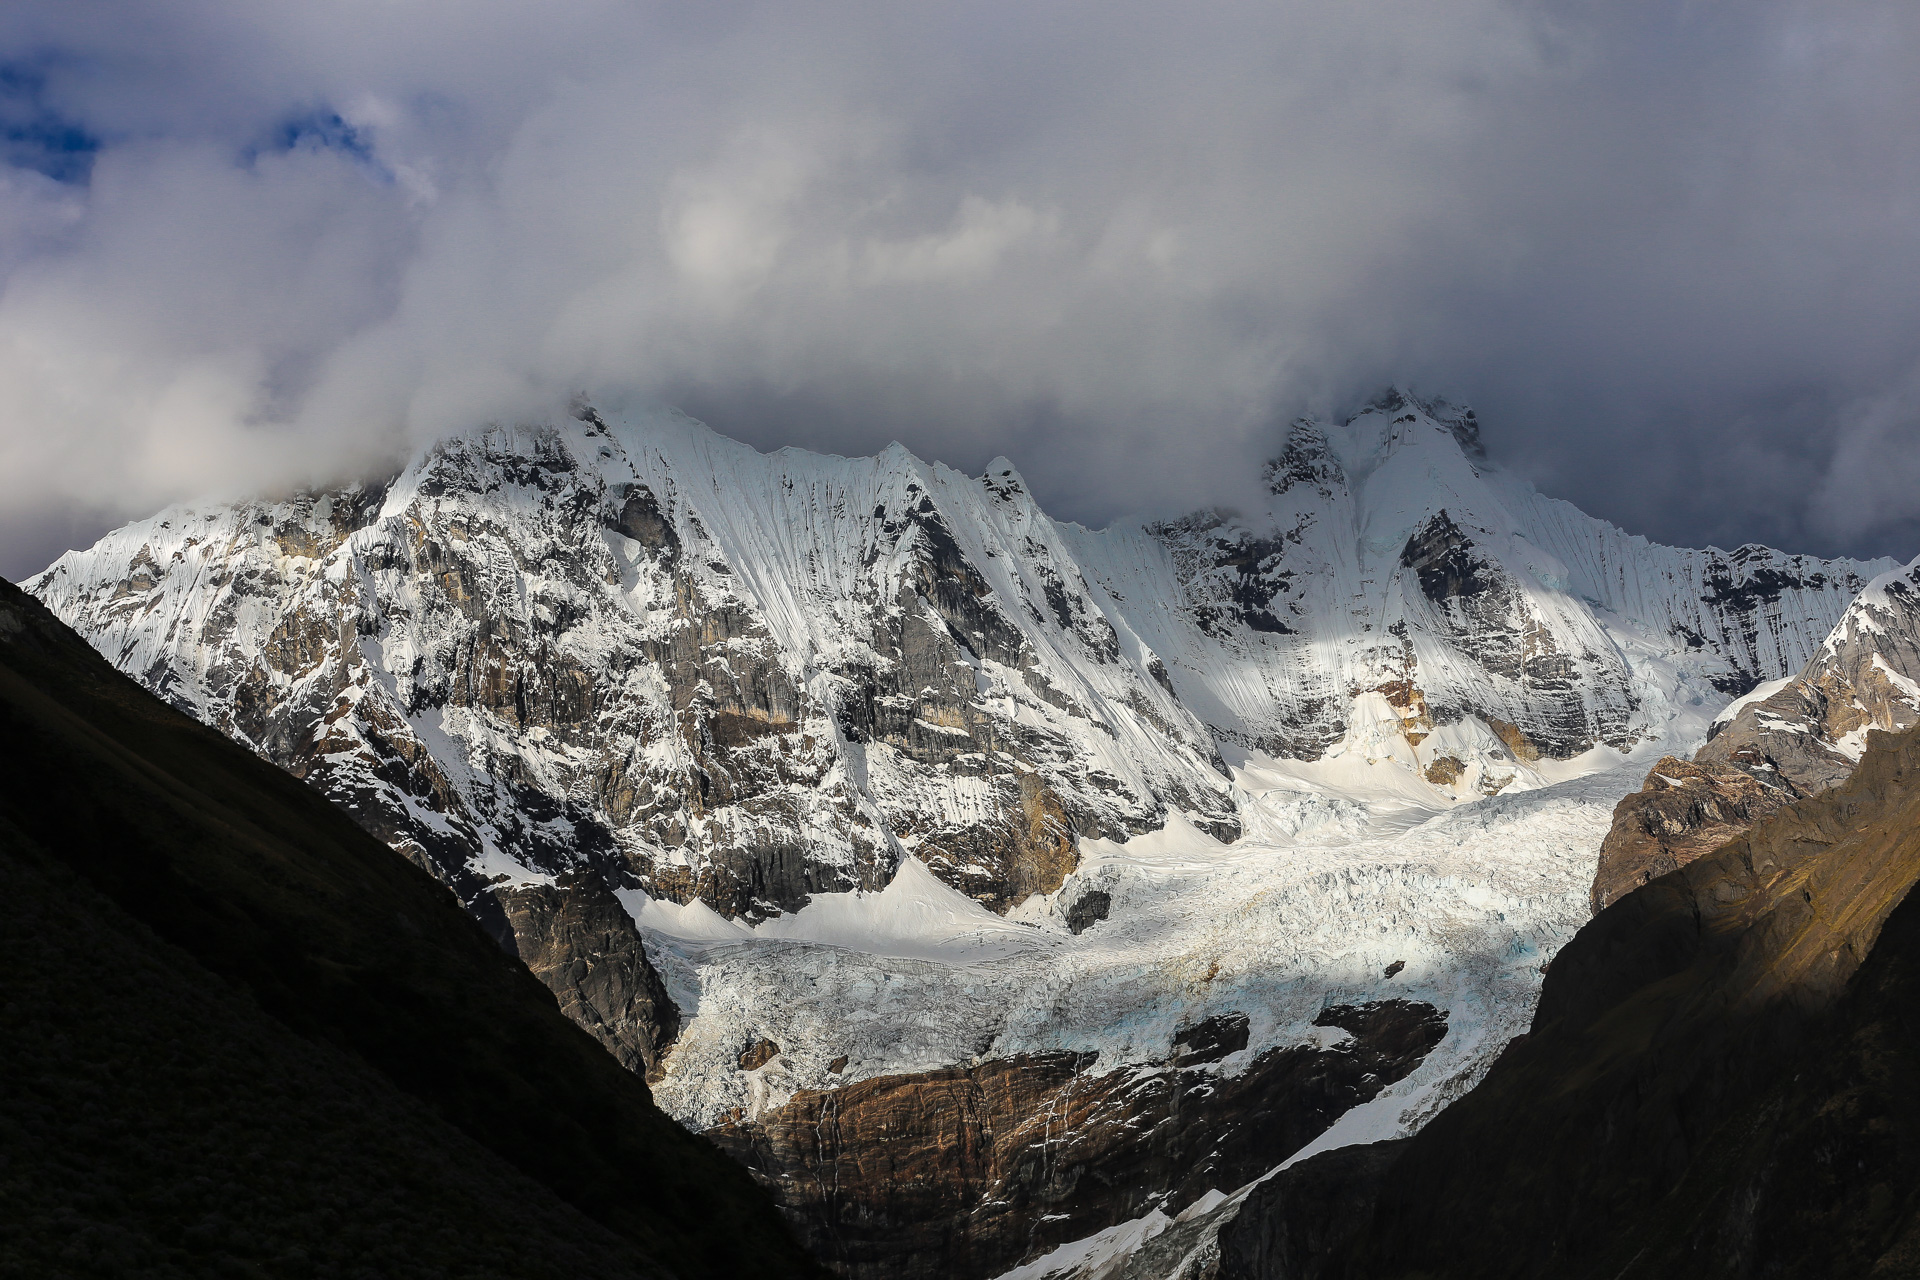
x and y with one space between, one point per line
1402 599
811 726
747 678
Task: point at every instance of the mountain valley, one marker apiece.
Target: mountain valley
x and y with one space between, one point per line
1011 897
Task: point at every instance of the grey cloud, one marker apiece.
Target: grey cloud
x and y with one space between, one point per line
1668 251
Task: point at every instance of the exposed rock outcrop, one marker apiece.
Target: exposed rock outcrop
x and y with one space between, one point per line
1776 746
966 1172
1395 561
693 669
1680 813
706 672
1088 910
577 938
1866 675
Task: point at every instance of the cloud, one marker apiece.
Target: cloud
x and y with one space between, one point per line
1872 480
974 247
1670 253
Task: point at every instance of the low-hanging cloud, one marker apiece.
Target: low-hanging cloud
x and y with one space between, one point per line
1671 252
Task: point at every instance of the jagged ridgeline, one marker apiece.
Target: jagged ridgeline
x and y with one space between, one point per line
650 652
1782 742
244 1038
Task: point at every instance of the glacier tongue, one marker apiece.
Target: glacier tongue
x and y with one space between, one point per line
1470 901
1358 745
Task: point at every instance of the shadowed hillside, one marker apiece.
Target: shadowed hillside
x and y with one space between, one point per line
245 1038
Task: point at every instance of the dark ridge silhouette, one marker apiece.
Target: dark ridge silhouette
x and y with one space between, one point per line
243 1037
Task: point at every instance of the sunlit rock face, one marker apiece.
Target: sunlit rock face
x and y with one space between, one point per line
1402 598
1864 676
1785 740
749 678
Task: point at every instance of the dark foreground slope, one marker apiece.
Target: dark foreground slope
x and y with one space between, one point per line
1723 1079
238 1036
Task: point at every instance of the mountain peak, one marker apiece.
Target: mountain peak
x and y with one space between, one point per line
1399 402
1396 424
1002 479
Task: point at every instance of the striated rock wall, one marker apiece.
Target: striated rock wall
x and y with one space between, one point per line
1681 812
693 668
969 1171
1403 600
577 938
553 663
709 673
1866 675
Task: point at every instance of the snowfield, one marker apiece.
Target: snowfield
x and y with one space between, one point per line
1472 899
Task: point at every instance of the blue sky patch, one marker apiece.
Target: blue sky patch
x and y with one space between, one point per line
320 130
35 136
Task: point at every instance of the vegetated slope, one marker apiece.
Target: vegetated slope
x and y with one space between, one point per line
1787 739
157 1123
1718 1082
244 1036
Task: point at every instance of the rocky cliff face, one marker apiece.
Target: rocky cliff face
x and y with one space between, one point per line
666 662
657 654
577 938
711 673
1784 741
1402 601
1812 730
971 1170
1681 812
